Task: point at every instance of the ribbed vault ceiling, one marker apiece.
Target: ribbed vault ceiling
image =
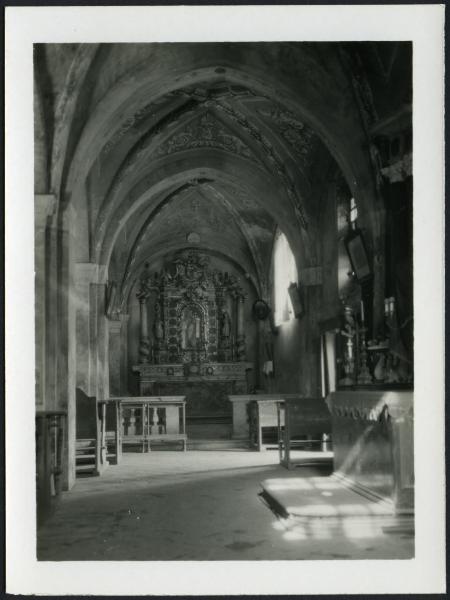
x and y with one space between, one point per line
173 146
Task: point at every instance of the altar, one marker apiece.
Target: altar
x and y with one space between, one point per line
207 387
195 345
152 378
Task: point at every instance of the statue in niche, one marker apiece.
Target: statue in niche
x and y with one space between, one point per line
225 324
190 329
158 326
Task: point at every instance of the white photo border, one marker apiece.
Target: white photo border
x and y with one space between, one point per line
424 25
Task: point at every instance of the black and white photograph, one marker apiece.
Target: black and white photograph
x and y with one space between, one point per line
223 349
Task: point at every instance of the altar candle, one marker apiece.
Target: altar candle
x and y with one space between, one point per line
362 311
197 327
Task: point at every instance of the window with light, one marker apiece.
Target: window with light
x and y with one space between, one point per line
285 273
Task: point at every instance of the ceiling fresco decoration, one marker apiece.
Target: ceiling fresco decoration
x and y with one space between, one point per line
171 146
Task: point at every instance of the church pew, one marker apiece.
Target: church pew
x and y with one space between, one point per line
307 425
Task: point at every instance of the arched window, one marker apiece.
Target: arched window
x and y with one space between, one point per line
285 273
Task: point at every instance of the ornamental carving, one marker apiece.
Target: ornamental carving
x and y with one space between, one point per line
296 134
197 312
205 132
192 276
373 405
277 163
135 120
214 136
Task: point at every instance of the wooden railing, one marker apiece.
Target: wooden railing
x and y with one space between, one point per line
51 430
143 420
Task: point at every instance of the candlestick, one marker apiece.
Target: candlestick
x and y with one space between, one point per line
362 311
364 376
391 305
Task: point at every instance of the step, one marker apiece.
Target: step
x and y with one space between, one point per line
80 444
208 431
85 457
85 468
214 444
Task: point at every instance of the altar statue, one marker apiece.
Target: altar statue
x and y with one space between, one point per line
190 329
225 324
158 326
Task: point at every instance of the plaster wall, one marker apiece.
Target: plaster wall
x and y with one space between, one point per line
288 349
297 342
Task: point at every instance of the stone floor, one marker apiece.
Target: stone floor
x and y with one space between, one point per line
201 506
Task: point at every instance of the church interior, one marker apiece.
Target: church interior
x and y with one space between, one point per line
224 301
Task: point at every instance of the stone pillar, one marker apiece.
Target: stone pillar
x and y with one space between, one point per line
124 368
51 309
65 342
311 380
45 206
310 377
115 358
144 341
86 313
92 373
240 331
100 320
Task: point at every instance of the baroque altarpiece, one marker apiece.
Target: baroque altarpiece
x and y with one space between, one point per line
198 344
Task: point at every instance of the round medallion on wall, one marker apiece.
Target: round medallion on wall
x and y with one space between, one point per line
261 309
193 238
